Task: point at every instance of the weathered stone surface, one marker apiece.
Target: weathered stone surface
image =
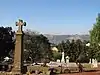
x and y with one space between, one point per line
18 55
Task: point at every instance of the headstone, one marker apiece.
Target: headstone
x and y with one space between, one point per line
18 54
95 63
90 61
6 59
67 59
62 60
58 60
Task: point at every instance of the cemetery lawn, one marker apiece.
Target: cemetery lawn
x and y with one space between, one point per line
87 67
43 69
40 68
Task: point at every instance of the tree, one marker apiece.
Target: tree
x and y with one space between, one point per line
56 55
6 41
67 48
38 46
95 32
75 49
95 38
81 51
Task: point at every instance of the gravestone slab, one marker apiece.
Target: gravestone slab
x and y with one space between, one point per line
67 59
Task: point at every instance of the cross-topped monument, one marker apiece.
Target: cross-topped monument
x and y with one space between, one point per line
20 24
18 55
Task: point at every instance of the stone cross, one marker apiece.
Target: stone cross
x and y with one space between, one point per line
18 54
20 24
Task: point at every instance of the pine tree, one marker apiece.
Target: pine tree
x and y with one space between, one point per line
95 37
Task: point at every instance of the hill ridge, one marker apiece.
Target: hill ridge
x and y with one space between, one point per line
59 38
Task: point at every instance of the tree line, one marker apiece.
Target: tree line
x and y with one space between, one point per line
75 49
37 47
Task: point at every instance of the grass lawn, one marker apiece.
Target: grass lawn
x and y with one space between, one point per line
43 69
46 69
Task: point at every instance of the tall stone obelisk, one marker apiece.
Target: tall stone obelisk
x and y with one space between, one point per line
18 55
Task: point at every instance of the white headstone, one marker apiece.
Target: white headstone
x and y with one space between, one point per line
67 59
88 44
90 61
6 58
58 60
95 63
62 60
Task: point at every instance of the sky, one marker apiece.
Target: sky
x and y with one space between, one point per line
51 16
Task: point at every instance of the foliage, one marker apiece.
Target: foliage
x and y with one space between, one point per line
95 39
37 46
75 49
6 41
56 55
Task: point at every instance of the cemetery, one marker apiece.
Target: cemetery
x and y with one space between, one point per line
60 66
55 50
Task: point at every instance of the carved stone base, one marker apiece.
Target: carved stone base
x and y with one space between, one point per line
16 71
10 73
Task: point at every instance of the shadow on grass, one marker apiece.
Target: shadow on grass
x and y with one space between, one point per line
82 72
91 70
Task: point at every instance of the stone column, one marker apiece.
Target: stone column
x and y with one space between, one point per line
18 55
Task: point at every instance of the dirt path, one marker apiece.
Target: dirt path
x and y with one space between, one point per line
84 73
87 73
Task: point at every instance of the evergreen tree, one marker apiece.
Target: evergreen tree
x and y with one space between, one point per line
67 48
95 38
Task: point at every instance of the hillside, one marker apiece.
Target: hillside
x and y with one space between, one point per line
58 38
